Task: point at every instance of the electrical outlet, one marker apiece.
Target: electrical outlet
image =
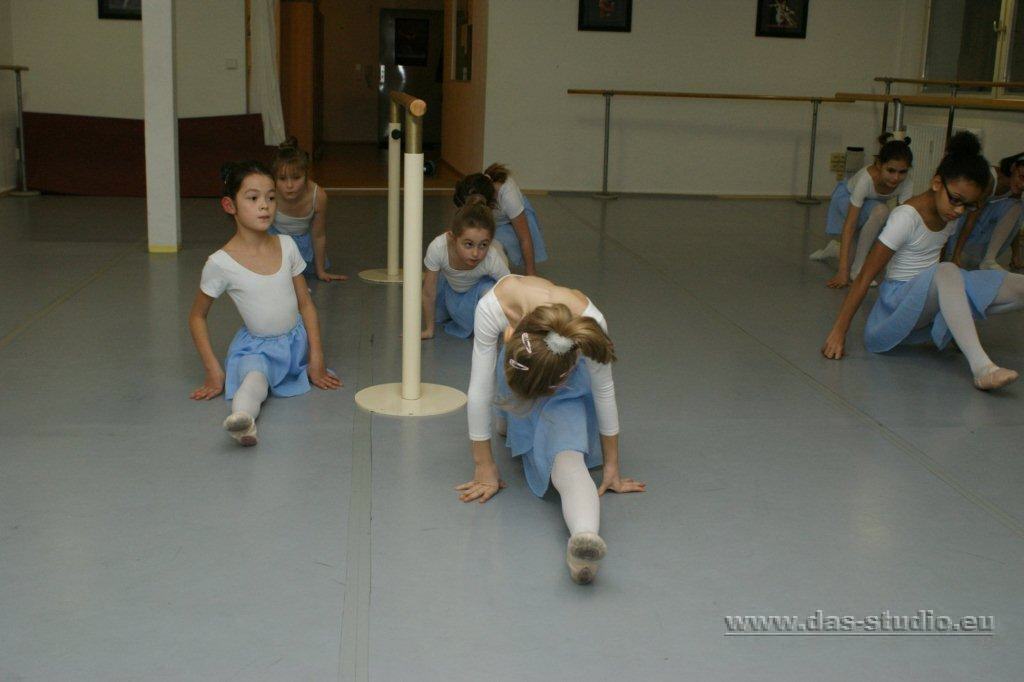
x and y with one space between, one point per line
837 162
230 64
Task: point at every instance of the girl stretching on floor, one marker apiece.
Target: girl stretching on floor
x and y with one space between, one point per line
470 262
278 350
920 297
556 399
516 222
857 210
988 233
302 210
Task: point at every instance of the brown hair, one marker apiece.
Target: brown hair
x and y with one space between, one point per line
544 367
289 155
891 149
475 212
480 183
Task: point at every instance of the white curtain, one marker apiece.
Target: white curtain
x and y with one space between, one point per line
264 87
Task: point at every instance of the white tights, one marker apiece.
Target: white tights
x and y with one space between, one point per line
251 394
1001 234
868 235
947 294
581 506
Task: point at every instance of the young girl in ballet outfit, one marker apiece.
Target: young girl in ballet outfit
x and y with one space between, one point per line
989 232
515 220
302 210
469 263
278 350
556 400
857 209
924 299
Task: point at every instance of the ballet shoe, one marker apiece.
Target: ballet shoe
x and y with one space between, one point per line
582 555
831 250
997 377
242 427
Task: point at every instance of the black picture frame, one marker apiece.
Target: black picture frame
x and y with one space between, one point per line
781 18
605 15
120 9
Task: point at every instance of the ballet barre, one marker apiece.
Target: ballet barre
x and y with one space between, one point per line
23 190
954 88
411 397
952 103
608 94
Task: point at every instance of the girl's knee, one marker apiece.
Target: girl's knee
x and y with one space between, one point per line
879 212
948 272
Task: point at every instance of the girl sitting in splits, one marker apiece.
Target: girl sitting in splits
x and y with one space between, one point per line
857 209
470 262
278 350
556 400
922 298
516 222
989 232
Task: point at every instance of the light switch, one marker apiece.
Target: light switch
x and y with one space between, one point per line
231 64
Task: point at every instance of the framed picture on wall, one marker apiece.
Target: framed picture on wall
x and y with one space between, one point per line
605 15
120 9
781 18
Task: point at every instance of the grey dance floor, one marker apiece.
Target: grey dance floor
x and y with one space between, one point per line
137 542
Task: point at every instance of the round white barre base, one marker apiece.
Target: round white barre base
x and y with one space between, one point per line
387 399
381 276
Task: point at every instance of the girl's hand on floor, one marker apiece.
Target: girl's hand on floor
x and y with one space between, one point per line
840 281
614 482
321 378
834 346
325 276
211 388
484 486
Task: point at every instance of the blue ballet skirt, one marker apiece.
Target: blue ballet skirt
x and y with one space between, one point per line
305 244
566 420
977 243
839 206
505 234
282 359
900 303
458 310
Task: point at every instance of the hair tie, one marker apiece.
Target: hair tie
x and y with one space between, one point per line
526 342
558 344
518 365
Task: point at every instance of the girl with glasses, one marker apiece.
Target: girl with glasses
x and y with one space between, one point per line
922 299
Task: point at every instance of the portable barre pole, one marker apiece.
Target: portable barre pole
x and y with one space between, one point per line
394 188
412 314
604 194
808 199
23 190
885 107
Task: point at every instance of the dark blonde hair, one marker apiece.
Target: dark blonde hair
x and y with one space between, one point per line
480 183
475 212
289 155
535 366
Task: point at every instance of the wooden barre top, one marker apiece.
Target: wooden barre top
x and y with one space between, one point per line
933 101
966 84
708 95
416 107
11 67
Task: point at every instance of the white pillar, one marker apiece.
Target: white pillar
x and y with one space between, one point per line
163 211
412 312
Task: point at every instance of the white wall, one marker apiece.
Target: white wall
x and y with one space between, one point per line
8 112
554 141
83 65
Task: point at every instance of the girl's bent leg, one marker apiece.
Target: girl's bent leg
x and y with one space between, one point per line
949 284
1000 236
868 235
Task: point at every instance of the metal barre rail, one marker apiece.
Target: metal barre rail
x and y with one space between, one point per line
608 94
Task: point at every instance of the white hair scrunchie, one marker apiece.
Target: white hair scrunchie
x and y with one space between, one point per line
558 344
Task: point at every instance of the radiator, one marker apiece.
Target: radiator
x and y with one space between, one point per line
928 142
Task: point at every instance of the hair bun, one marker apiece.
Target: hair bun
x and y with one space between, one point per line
964 143
475 200
906 140
885 137
291 143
